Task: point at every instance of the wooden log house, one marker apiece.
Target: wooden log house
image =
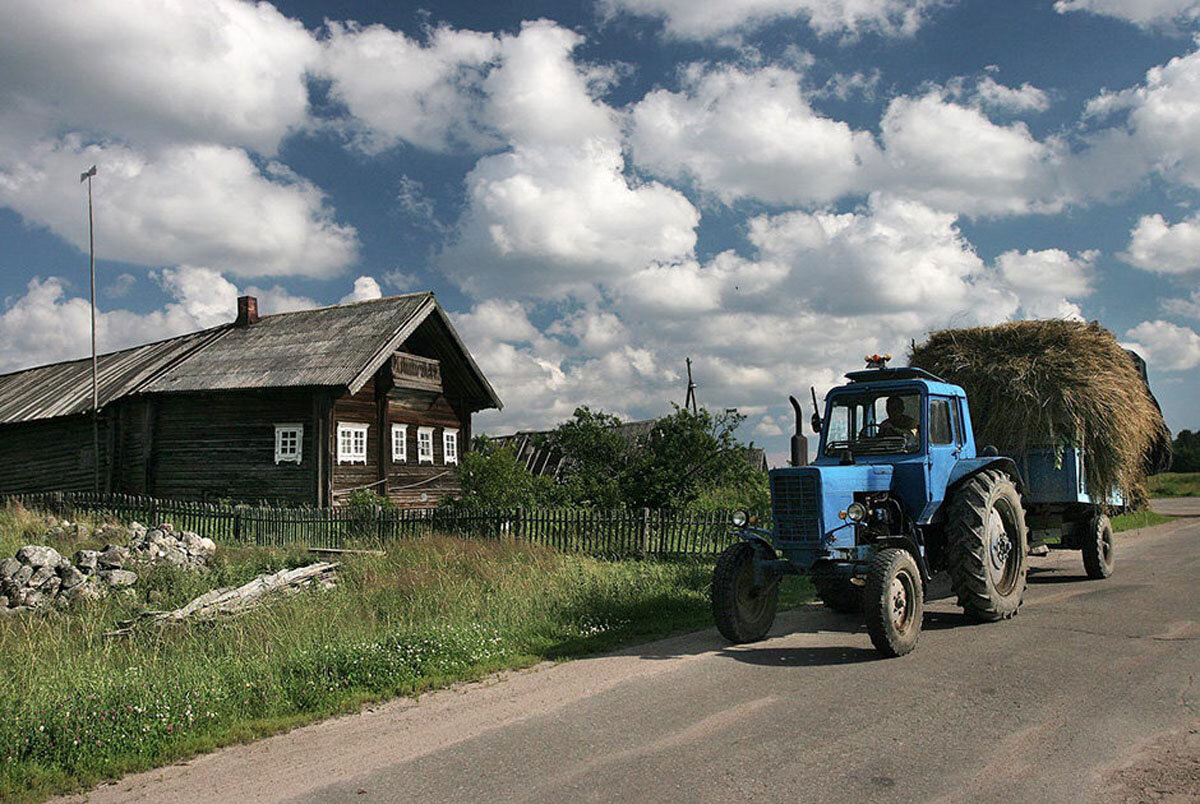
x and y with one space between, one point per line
301 407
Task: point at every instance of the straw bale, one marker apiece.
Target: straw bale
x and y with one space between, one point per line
1052 384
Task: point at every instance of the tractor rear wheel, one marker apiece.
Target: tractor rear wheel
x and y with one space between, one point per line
893 602
1099 554
743 610
838 594
986 545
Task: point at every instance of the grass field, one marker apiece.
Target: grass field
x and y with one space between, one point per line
1137 519
1174 484
79 707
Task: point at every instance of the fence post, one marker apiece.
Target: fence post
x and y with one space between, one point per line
645 531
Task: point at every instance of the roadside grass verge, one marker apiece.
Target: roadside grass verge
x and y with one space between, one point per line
80 707
1174 484
1133 520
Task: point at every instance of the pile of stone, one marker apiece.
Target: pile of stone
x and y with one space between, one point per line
39 576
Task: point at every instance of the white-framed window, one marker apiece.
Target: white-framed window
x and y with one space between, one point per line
289 443
450 445
424 445
351 442
399 443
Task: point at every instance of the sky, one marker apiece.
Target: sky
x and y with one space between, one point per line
598 190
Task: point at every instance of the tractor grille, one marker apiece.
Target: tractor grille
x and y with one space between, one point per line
796 505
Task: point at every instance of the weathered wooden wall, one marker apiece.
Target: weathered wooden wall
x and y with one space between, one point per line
52 455
221 445
379 404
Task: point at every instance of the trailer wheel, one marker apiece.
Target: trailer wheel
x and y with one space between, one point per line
986 544
1099 553
744 612
893 602
838 594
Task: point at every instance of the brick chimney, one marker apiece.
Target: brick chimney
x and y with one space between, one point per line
247 311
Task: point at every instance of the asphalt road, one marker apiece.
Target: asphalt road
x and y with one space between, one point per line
1089 694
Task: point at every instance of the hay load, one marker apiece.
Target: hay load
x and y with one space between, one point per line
1052 384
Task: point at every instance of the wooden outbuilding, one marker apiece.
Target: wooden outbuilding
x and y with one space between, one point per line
301 407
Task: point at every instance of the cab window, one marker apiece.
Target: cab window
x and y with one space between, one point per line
940 431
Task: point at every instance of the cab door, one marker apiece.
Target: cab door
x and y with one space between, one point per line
945 445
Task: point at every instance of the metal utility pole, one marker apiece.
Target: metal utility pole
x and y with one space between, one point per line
689 402
87 176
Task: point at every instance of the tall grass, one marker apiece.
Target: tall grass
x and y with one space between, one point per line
79 706
1174 484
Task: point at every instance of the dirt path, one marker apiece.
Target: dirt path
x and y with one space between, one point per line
1090 692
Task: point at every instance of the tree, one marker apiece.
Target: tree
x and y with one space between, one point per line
492 478
1186 452
596 458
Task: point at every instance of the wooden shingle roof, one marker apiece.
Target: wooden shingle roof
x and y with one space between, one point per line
340 346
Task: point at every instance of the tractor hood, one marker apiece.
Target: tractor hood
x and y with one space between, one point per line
806 500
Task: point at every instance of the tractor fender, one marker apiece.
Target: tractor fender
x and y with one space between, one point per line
906 543
761 542
967 468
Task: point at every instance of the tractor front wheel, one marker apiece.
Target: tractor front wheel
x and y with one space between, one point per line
1099 554
985 537
893 602
744 611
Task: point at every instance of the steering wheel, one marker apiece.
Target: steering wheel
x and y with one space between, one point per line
870 430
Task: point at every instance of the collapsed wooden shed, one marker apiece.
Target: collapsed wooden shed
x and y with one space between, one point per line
302 407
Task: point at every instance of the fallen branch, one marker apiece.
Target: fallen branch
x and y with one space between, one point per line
231 602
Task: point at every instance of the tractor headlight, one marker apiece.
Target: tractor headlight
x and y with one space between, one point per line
856 512
740 518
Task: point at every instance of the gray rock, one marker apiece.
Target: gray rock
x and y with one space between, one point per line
14 611
85 560
22 576
71 577
3 601
118 577
84 591
51 586
38 556
176 556
8 568
113 557
40 575
9 589
33 599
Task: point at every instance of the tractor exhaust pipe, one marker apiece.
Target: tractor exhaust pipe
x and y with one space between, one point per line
799 441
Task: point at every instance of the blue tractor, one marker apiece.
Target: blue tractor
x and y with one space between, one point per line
897 495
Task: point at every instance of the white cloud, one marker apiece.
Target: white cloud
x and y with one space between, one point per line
1189 307
703 19
401 90
156 72
1155 245
198 204
953 157
1045 281
1162 116
365 289
894 255
47 323
555 214
1145 13
740 133
1014 100
1165 346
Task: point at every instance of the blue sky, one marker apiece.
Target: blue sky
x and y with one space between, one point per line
597 190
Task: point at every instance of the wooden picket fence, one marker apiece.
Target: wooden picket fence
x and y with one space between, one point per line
620 532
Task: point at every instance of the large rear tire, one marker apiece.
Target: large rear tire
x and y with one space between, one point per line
893 602
986 544
743 611
838 594
1099 553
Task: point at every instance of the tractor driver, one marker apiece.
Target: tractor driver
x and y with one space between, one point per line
898 423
